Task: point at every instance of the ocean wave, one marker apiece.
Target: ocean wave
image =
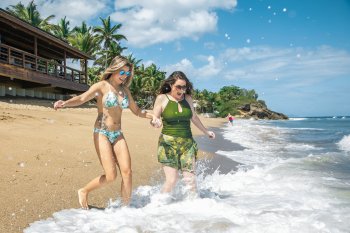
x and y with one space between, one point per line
298 118
293 193
288 199
316 129
344 143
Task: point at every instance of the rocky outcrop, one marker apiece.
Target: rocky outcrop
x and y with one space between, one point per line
259 111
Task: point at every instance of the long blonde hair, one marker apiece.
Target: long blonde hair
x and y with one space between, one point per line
117 63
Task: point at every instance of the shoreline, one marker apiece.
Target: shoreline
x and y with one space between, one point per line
47 155
215 161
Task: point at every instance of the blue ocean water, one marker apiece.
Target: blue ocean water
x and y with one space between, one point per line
297 172
294 176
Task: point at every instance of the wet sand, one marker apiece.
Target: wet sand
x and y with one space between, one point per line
217 162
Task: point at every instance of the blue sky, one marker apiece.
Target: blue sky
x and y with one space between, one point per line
294 53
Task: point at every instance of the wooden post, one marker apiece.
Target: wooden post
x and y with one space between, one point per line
86 71
9 55
36 52
23 60
65 64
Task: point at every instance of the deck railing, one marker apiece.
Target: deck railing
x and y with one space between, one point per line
17 57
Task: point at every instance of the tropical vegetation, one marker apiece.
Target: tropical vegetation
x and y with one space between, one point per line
104 43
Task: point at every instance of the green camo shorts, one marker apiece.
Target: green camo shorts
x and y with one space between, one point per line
177 152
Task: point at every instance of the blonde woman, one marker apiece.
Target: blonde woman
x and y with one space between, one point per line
112 95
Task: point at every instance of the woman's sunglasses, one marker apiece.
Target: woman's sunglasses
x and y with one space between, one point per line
179 87
127 73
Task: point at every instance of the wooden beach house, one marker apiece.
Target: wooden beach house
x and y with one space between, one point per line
33 63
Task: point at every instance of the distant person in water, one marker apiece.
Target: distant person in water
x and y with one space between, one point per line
177 150
113 95
230 118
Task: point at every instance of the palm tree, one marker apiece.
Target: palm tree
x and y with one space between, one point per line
145 84
134 61
107 34
195 94
136 89
94 74
107 55
31 15
85 42
82 29
137 85
62 30
152 79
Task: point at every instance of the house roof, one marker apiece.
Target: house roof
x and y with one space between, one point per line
21 29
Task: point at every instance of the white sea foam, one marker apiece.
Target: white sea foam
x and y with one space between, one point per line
270 192
344 143
307 129
297 118
262 199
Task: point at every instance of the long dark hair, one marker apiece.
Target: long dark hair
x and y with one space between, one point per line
165 87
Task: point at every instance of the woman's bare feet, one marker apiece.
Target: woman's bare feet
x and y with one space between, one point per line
82 194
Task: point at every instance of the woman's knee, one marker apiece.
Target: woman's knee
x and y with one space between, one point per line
126 173
112 176
171 180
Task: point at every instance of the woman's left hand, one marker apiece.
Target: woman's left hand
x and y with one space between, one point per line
156 122
211 134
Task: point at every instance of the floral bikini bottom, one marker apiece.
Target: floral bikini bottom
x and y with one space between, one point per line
111 135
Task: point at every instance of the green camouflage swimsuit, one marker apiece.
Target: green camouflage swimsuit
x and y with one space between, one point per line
176 147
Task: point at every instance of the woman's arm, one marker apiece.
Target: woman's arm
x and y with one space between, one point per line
196 121
158 109
158 105
135 109
93 91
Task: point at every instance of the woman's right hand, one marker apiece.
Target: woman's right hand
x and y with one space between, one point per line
58 104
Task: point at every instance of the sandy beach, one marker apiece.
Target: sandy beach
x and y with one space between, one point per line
47 155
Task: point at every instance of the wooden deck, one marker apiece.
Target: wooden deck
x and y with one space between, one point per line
33 59
18 64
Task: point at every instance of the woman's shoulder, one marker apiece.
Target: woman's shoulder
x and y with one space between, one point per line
188 98
161 97
100 84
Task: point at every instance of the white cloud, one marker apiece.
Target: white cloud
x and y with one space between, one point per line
209 70
155 21
265 63
148 63
75 10
184 65
209 45
6 3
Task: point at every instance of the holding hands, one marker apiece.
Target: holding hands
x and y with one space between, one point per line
156 122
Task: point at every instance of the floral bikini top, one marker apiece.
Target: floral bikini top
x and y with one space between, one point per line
112 100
